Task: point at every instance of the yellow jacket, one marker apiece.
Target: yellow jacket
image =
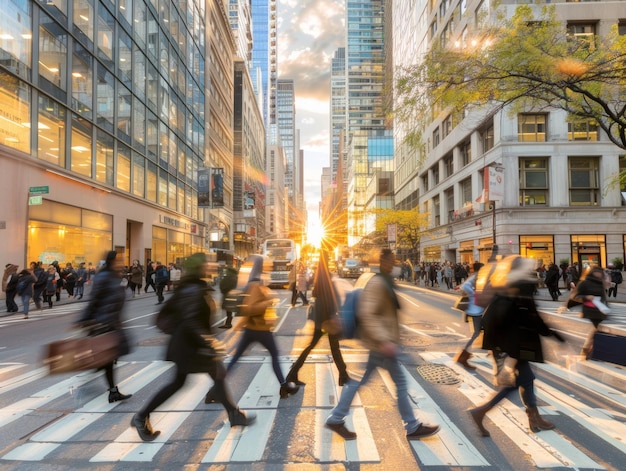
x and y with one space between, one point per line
257 299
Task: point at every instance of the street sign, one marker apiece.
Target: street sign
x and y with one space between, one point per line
39 190
33 200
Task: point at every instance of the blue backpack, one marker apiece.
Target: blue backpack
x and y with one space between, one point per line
348 314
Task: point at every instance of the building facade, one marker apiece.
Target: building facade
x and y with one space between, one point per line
104 119
554 202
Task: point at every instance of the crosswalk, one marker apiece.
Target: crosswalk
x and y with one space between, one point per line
455 446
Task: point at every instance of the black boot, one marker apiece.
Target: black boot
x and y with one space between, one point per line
287 389
210 397
343 378
292 377
238 417
115 395
144 429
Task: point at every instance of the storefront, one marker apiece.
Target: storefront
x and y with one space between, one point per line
589 250
539 248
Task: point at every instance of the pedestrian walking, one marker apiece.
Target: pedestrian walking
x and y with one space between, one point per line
325 310
25 289
161 277
293 278
228 282
104 314
257 327
81 278
474 313
380 332
52 277
69 279
512 327
615 274
175 275
9 286
591 289
301 283
60 283
40 284
188 346
135 281
552 277
150 267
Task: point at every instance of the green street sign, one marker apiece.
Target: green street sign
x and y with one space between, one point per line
39 190
33 200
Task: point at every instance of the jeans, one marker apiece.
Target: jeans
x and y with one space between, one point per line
265 338
26 302
392 365
525 382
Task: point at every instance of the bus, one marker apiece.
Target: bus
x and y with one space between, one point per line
282 253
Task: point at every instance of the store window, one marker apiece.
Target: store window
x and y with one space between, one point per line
52 54
589 250
67 234
104 157
538 247
51 128
81 146
531 127
533 178
16 30
159 244
584 189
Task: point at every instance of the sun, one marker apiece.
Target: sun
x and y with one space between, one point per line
315 234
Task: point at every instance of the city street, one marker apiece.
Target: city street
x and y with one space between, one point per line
65 421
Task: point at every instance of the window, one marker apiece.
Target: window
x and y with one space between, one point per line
584 33
582 130
533 178
122 180
436 138
584 189
106 25
465 187
449 197
425 181
15 97
104 158
51 131
436 210
435 170
446 125
81 146
621 27
531 128
448 165
82 81
466 153
52 53
486 137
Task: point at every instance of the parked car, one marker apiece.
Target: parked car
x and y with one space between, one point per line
352 268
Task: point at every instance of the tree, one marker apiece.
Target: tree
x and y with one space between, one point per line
524 62
411 226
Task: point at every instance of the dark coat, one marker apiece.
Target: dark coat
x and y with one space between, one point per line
513 325
591 285
105 306
190 338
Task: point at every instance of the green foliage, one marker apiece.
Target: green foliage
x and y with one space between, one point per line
411 225
525 62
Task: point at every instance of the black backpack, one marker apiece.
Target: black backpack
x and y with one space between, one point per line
23 283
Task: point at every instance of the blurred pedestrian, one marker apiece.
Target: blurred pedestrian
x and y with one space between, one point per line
474 313
52 277
615 274
40 284
135 281
379 329
150 266
25 289
301 283
161 278
189 341
592 287
9 286
325 310
60 282
552 278
257 326
81 278
512 327
104 314
293 278
228 282
175 275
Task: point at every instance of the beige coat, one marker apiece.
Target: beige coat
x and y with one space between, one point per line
378 315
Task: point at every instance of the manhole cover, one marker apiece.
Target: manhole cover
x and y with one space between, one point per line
438 374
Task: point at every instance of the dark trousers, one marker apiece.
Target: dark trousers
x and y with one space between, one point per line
334 350
265 338
149 282
11 304
219 392
159 291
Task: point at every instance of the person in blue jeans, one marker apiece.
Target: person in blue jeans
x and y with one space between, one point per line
380 332
25 283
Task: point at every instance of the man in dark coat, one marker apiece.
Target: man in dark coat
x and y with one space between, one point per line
191 348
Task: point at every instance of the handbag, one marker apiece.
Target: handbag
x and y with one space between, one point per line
82 353
505 374
124 282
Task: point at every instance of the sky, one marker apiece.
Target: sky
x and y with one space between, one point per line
309 33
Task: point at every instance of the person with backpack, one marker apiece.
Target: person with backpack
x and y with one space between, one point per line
379 330
227 284
616 279
325 310
188 347
591 290
473 312
25 288
150 267
9 286
52 278
81 278
104 313
161 278
257 326
40 285
69 279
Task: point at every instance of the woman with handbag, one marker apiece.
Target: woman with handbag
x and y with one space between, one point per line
257 327
192 347
473 312
325 317
103 314
512 328
591 292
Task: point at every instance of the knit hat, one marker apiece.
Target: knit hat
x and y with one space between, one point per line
195 263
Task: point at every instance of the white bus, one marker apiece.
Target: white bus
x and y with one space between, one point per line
282 253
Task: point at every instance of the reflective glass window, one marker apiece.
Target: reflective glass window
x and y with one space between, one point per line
82 81
139 22
51 126
139 124
123 168
52 52
16 38
81 146
106 26
152 86
139 72
139 175
125 8
105 97
124 61
124 110
172 193
152 136
163 143
162 188
84 20
15 97
104 157
151 182
153 36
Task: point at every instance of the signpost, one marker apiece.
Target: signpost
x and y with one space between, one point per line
34 194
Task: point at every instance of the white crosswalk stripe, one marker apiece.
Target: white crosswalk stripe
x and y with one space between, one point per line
451 447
